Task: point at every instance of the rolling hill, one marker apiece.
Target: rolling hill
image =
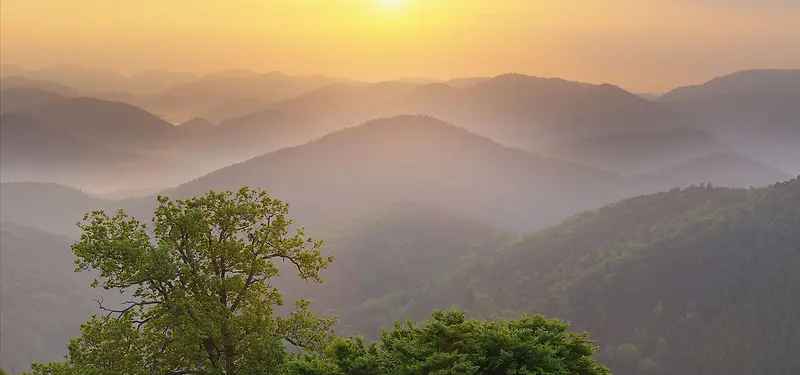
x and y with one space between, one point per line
196 126
525 111
48 207
154 81
379 249
756 112
44 301
719 169
15 82
112 124
422 160
636 153
389 247
32 149
235 108
21 99
81 78
248 136
194 98
691 281
743 82
298 120
28 145
515 110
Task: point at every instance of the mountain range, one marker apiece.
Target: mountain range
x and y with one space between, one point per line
423 160
754 111
420 159
601 126
665 225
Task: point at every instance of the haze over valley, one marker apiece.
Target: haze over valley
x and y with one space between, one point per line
660 213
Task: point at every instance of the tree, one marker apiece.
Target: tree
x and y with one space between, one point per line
201 301
452 344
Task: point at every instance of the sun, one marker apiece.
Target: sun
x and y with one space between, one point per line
391 3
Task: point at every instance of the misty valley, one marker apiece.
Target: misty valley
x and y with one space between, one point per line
667 226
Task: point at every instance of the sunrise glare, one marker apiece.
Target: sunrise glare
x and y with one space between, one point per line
649 45
391 3
399 187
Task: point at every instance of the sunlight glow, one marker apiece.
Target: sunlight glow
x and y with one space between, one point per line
391 3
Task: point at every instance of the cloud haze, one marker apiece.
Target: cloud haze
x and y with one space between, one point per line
651 45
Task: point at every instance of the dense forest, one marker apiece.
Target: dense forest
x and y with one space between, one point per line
41 293
699 280
513 224
199 299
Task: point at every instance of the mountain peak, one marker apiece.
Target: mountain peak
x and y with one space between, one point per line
197 123
780 81
417 126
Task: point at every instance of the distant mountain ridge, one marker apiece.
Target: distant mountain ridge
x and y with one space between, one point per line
193 98
197 125
742 82
46 206
173 95
633 218
105 122
22 99
757 112
426 161
633 153
513 109
27 143
601 126
421 159
16 82
720 169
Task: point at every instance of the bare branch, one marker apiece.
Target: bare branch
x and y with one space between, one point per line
121 312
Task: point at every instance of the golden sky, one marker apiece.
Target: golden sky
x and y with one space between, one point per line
644 45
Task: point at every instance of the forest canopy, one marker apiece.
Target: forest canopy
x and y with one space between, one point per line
200 301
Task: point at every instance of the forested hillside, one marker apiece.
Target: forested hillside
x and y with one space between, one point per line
201 299
385 248
719 169
48 207
43 300
700 280
400 187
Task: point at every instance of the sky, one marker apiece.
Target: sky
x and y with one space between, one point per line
641 45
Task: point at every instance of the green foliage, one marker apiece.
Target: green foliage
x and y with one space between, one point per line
449 343
201 301
55 368
667 283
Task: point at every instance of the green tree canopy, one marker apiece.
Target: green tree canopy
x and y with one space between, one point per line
449 343
200 298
